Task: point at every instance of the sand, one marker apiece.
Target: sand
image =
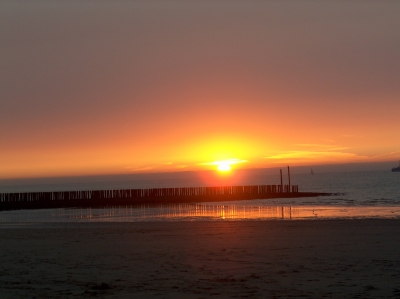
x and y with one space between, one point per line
226 259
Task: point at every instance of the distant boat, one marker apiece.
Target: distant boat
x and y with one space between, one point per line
396 169
312 171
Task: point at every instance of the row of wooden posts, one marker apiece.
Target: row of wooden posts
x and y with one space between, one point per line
149 193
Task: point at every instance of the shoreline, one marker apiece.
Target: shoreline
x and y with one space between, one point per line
215 211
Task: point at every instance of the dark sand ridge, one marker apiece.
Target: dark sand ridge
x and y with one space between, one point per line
223 259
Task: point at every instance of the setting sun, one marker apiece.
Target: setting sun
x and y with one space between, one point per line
224 167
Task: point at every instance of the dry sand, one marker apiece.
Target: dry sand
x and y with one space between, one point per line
249 259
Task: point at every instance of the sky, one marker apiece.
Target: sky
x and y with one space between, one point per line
112 87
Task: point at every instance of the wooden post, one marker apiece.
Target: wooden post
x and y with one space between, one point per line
288 170
281 181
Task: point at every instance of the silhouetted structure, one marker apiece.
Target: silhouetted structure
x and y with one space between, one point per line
396 169
103 198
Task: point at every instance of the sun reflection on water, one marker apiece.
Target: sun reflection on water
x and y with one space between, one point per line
196 212
199 212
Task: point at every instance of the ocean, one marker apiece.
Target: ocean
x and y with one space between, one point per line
371 194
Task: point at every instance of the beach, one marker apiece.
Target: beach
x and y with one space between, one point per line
218 259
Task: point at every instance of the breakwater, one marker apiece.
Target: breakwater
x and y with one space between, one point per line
103 198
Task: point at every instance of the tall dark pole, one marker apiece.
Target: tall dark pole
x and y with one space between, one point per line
281 181
288 171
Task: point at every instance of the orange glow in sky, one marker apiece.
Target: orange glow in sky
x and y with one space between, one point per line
290 83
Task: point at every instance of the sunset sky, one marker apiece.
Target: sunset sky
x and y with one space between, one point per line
104 87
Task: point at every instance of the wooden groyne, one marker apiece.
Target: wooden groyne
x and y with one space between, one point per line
103 198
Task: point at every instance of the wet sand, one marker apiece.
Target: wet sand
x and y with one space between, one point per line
222 259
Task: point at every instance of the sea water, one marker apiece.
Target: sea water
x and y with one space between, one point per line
356 195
